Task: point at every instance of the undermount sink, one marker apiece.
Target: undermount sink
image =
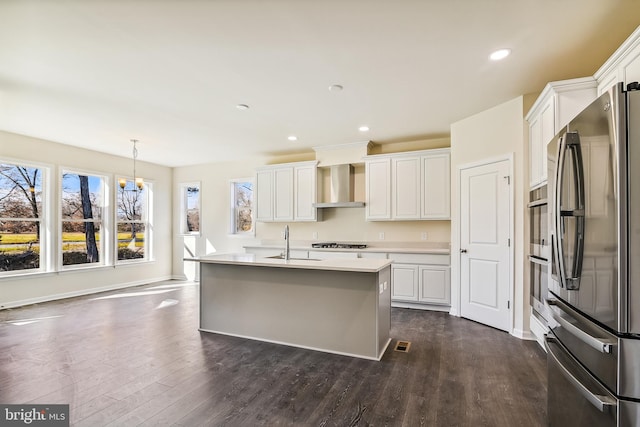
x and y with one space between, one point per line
292 258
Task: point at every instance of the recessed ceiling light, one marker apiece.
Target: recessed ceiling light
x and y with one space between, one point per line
242 107
292 138
499 54
363 128
335 88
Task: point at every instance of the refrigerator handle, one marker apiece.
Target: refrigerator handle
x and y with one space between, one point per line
558 221
603 345
602 403
573 144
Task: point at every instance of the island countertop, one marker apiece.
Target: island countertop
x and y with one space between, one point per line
363 265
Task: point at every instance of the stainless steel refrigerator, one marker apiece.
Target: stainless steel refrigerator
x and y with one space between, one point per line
593 346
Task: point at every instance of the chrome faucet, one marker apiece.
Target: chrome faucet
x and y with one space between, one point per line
287 253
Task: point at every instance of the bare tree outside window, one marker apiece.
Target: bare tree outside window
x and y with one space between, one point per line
20 217
242 207
190 208
81 205
132 221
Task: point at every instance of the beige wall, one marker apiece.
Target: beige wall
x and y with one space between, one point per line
337 224
498 132
38 287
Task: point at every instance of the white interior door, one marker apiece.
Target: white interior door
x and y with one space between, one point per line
485 245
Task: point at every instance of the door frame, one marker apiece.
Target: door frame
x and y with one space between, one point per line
456 302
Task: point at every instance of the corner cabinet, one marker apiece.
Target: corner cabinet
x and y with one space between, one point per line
408 186
556 106
287 192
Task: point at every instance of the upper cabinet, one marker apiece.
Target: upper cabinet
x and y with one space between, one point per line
287 192
558 103
623 66
408 186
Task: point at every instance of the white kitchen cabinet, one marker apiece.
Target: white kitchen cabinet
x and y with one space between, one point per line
264 195
436 185
558 103
420 280
286 192
434 284
378 189
408 186
404 282
305 189
623 66
405 187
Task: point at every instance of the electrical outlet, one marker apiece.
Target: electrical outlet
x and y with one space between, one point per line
315 235
282 234
381 235
423 236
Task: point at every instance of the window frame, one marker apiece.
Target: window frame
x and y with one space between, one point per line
232 208
46 254
147 222
105 247
183 194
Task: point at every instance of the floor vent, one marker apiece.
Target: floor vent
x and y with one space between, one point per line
403 346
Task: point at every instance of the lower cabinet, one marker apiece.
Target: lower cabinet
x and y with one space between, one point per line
418 283
434 285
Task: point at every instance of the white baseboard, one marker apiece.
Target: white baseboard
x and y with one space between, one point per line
538 329
430 307
54 297
523 335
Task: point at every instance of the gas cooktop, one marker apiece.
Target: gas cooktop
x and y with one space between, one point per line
339 245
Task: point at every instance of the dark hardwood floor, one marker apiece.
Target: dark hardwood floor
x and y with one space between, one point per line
135 357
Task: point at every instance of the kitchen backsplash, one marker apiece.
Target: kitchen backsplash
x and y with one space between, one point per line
348 224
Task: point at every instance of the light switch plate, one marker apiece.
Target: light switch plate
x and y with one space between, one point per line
381 235
423 236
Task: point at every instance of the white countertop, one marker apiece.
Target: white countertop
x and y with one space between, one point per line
361 265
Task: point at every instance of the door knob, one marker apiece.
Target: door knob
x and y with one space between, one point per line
463 251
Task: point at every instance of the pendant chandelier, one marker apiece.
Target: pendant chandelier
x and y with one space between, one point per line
138 181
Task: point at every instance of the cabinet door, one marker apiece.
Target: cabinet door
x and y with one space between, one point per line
535 146
548 131
436 187
404 282
434 285
264 195
305 193
405 188
283 197
378 189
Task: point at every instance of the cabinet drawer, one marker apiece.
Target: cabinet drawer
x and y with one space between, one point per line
435 259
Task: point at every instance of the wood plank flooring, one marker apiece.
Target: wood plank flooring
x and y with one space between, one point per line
135 357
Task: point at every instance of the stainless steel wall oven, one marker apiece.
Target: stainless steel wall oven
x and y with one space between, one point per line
538 250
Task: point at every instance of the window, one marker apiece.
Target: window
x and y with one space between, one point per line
133 229
190 208
242 206
81 204
21 216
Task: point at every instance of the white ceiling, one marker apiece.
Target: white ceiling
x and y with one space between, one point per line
170 73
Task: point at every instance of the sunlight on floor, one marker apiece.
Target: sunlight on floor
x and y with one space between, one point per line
29 321
133 294
167 303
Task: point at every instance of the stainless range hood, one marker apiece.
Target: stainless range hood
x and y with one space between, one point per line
341 188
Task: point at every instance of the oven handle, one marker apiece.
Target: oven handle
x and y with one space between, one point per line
537 260
602 403
603 345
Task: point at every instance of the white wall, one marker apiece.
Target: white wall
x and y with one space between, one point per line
498 132
19 290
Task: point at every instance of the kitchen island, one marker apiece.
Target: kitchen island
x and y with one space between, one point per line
340 306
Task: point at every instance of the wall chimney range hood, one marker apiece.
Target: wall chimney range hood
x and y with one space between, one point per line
341 188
